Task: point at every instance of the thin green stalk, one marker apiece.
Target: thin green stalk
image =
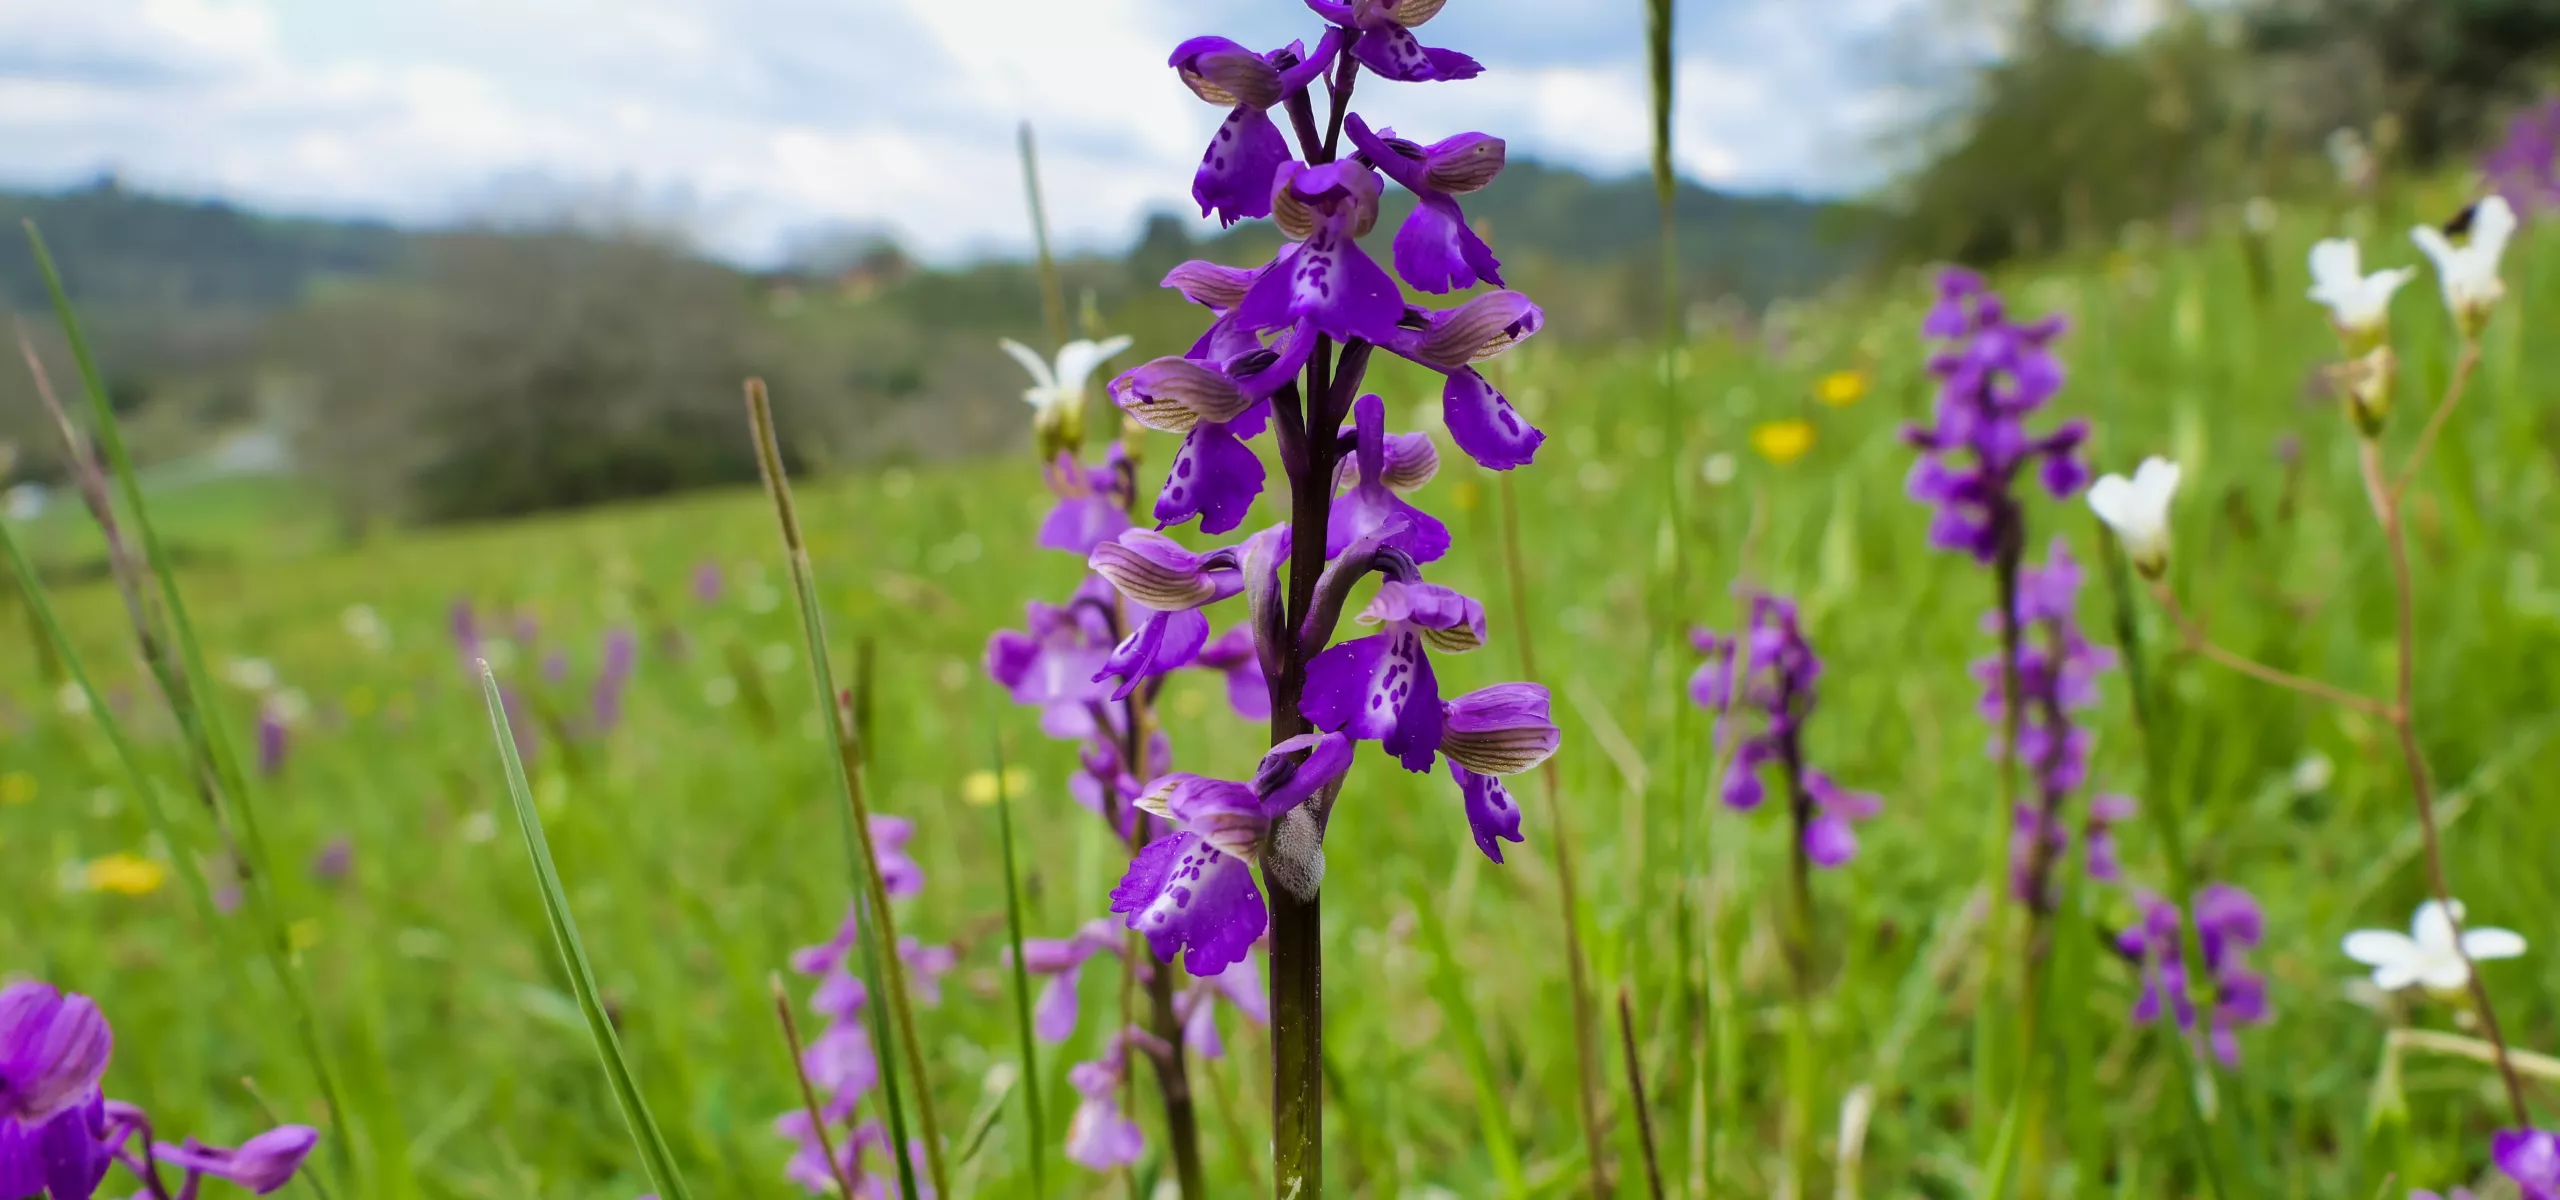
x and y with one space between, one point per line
1987 1026
655 1157
808 1094
878 933
1053 292
41 610
1038 1128
2173 845
1448 986
1635 1093
1585 1039
201 720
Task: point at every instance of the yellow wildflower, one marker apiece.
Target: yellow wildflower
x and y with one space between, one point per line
17 787
303 934
980 787
125 875
1782 442
1466 495
1840 389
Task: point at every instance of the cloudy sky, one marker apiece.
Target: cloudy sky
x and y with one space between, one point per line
758 121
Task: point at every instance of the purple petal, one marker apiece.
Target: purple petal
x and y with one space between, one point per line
1829 841
1235 656
1393 52
54 1048
1462 164
1491 815
1156 571
262 1164
1166 642
1234 179
1501 730
1330 282
1437 251
1225 73
1210 285
1054 1020
2530 1157
1181 892
1286 782
1214 477
1484 424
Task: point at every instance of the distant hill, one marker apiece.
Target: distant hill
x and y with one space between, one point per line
132 253
126 250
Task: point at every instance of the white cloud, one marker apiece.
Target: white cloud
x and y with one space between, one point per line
766 117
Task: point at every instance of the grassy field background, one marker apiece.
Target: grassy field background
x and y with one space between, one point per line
699 849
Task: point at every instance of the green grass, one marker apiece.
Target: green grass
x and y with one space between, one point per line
697 847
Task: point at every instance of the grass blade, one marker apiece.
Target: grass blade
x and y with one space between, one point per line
654 1155
1635 1092
201 721
2173 848
879 933
162 823
1448 986
1032 1148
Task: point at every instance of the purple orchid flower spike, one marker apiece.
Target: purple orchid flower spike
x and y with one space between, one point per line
275 740
1772 670
1451 341
1371 503
613 678
1234 180
1061 962
1386 43
2228 923
1381 688
1330 286
1435 250
2531 1158
2057 675
1991 376
2525 166
1194 888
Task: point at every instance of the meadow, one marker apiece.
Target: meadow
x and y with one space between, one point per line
698 850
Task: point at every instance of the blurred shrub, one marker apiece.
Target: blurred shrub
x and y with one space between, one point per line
2442 69
2080 125
525 372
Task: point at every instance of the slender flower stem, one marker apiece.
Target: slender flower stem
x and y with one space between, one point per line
1053 294
2386 509
2453 392
879 924
2009 553
1173 1078
1635 1092
2173 848
1036 1128
1801 1072
1585 1040
808 1095
2193 636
